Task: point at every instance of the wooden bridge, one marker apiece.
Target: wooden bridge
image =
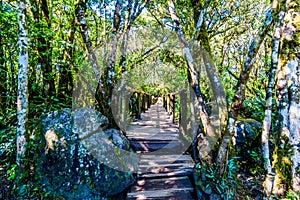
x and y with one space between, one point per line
164 171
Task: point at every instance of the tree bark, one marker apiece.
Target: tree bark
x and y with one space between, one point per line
253 49
107 83
239 95
22 98
268 183
108 78
193 75
80 14
288 103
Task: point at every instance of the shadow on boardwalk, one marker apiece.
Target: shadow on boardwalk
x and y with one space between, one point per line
163 171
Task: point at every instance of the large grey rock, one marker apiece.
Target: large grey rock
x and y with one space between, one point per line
247 129
247 132
248 142
69 166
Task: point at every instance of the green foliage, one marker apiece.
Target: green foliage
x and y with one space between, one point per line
12 172
255 158
224 184
7 144
156 80
177 109
256 105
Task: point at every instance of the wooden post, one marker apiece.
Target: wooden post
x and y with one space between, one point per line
173 106
168 104
138 116
143 103
183 113
150 101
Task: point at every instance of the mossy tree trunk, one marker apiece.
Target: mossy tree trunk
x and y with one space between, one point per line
287 152
193 76
22 98
268 183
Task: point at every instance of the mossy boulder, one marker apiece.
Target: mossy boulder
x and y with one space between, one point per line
68 168
247 142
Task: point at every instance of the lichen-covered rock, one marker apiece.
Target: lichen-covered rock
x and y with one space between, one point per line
247 140
68 167
247 129
119 139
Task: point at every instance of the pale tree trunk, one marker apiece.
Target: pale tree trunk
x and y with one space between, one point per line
218 121
294 116
288 92
101 86
106 79
22 98
250 59
288 104
105 87
80 13
121 94
210 136
268 183
239 95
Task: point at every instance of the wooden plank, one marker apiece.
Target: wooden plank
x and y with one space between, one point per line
166 171
180 172
166 161
165 167
174 156
179 194
152 124
168 165
153 138
151 146
163 184
151 135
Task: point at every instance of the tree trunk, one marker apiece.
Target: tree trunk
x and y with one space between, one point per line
239 95
193 75
104 91
106 85
268 184
22 99
288 104
80 14
183 116
45 50
253 49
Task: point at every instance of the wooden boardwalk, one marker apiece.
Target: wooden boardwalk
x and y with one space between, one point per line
163 171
